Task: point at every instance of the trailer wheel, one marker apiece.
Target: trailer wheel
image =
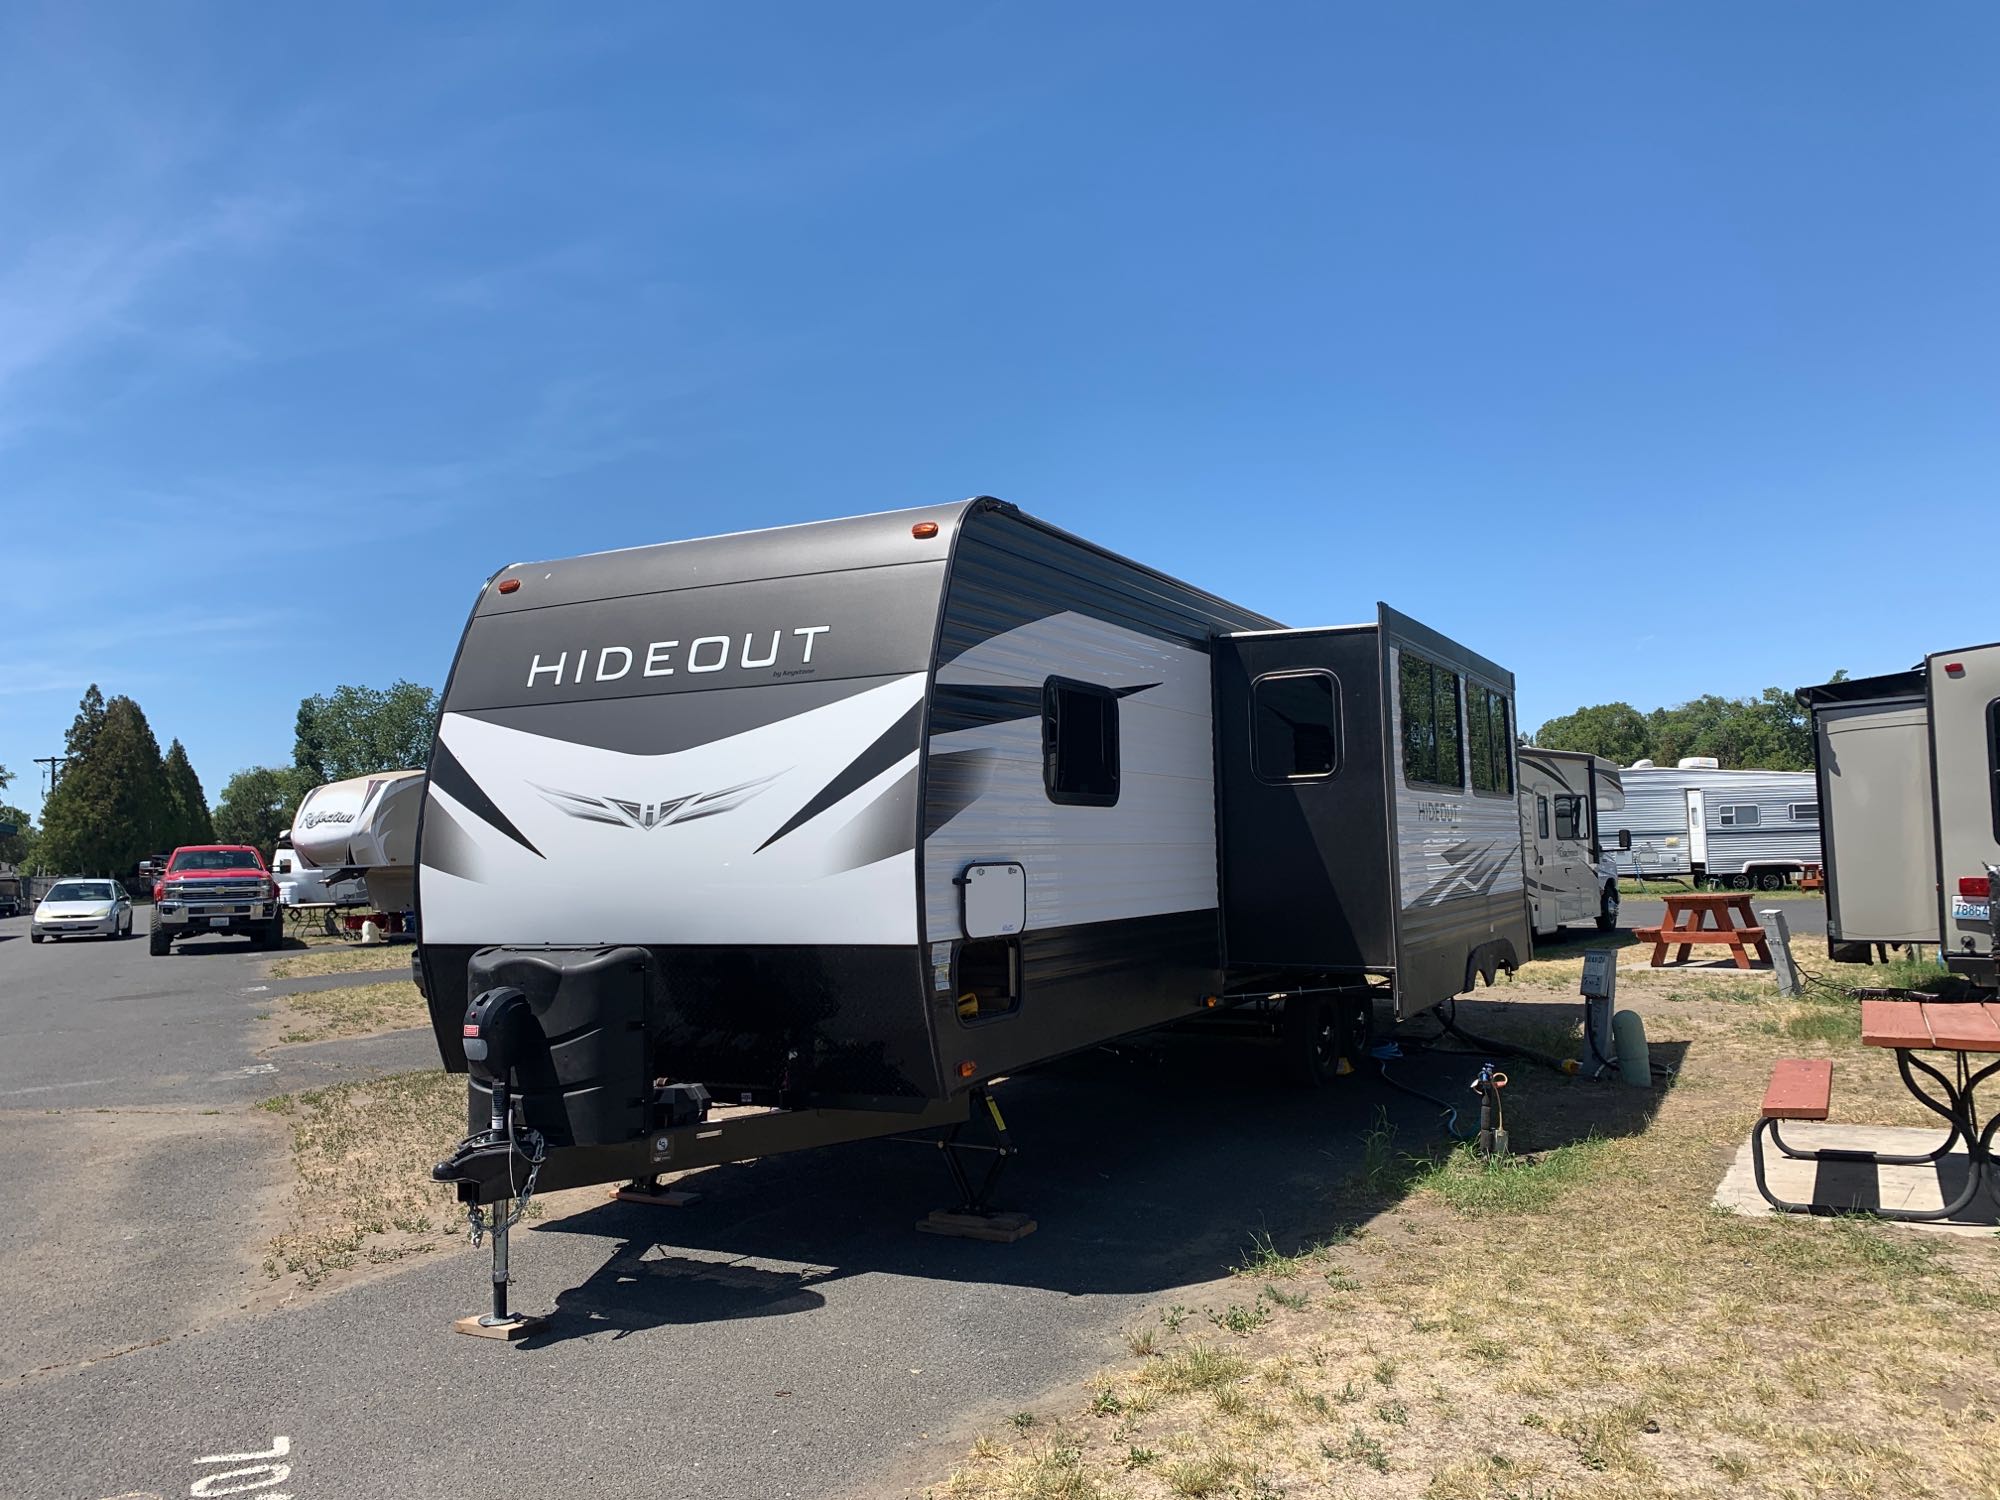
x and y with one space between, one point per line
1770 880
1607 912
1312 1038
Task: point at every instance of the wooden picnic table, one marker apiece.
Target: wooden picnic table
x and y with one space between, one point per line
1684 927
1802 1089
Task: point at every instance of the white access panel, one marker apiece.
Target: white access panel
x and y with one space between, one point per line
996 899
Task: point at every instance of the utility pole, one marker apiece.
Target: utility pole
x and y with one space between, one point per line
55 763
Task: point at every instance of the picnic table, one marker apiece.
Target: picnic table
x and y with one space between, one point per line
1683 927
1802 1089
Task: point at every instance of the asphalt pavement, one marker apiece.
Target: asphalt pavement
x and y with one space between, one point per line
790 1334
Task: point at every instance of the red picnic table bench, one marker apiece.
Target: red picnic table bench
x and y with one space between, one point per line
1684 928
1801 1088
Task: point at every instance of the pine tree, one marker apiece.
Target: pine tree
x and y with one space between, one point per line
187 804
110 809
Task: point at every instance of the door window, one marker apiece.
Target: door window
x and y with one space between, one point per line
1295 726
1541 816
1570 818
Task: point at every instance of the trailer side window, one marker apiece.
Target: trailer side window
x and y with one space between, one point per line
1805 812
1079 743
1739 815
1488 738
1431 728
1295 726
1570 818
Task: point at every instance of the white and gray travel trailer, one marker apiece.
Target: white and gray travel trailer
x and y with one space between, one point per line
1871 753
1720 828
1571 878
363 829
847 819
1964 704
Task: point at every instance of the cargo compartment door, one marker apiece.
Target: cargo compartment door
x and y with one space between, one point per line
1304 834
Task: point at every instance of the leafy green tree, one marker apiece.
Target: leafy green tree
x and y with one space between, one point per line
257 805
187 804
109 810
1616 731
17 848
6 778
355 730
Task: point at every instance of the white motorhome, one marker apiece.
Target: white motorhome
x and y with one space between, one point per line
1571 876
1718 828
364 829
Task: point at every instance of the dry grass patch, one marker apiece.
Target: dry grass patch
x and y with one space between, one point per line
331 956
1577 1322
363 1153
361 1010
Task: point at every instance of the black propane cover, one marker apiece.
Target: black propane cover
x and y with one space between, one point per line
586 1079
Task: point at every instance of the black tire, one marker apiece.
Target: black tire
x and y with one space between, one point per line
158 943
1770 880
273 936
1607 907
34 937
1311 1031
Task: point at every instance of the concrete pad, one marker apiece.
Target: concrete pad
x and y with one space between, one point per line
1857 1184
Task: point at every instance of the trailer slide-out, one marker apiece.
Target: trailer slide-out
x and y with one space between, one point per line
846 819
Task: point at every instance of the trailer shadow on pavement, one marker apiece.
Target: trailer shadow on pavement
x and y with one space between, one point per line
1148 1167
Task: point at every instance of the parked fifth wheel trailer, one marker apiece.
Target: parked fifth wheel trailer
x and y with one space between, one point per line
1964 703
1564 794
364 829
844 820
1872 764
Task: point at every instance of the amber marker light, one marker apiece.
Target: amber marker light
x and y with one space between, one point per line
508 585
923 531
966 1069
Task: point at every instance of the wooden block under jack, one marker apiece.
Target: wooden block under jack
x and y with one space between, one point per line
664 1198
1002 1229
519 1327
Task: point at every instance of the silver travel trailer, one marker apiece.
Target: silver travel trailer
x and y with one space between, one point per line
1872 768
1571 877
845 820
1964 705
1721 828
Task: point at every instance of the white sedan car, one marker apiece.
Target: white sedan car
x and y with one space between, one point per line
83 908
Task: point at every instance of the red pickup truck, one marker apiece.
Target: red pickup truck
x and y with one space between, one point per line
216 888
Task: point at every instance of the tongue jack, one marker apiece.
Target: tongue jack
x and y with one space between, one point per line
499 1025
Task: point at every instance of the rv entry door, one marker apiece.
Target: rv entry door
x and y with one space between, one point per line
1697 831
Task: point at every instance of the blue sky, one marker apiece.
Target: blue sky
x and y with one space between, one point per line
1649 349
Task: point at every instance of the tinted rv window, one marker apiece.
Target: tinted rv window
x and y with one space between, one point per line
1569 818
1805 812
1429 695
1487 739
1541 817
1079 742
1295 726
1739 816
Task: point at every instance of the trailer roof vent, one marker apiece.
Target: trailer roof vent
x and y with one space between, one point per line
1698 763
1640 765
